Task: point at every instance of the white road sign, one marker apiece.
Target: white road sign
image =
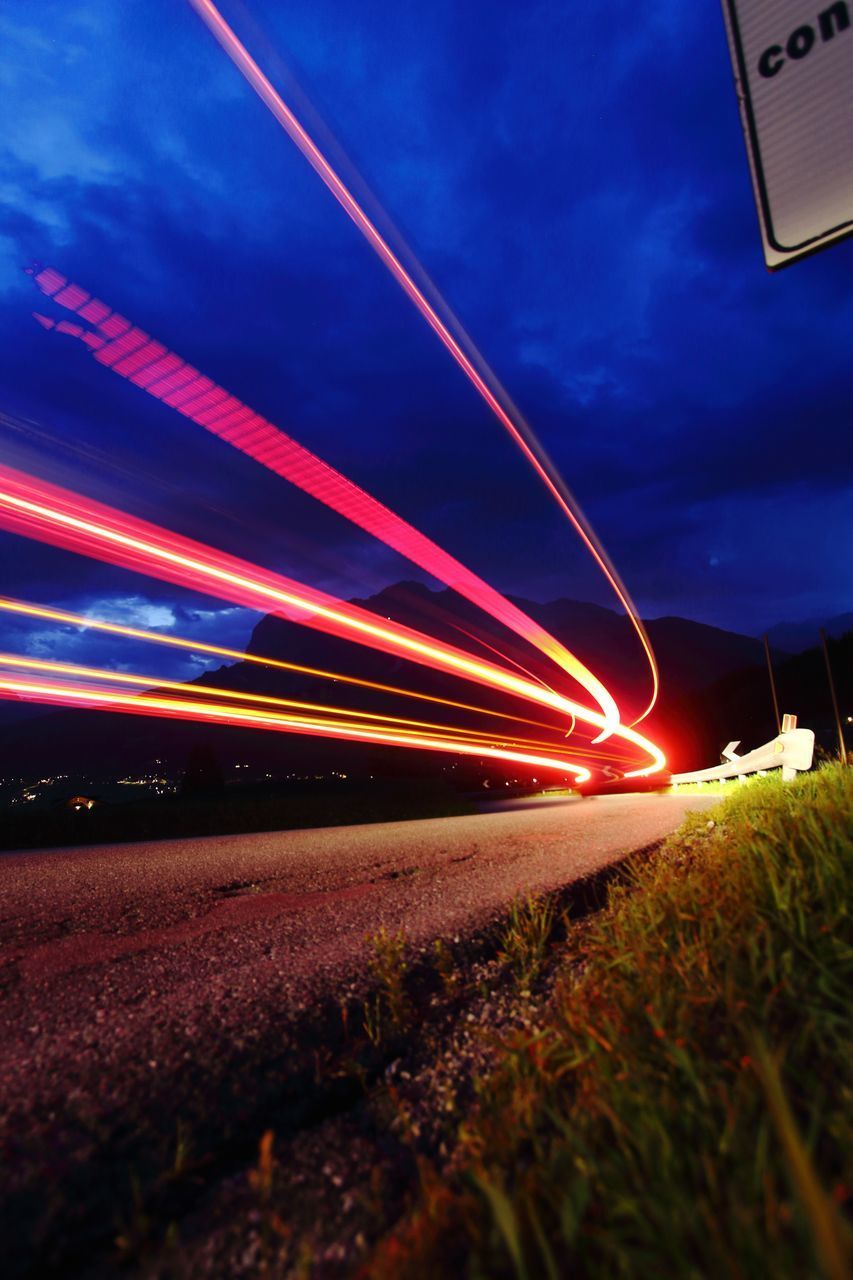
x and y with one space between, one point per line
793 62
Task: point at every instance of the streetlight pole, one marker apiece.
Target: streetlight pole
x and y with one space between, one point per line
772 683
842 749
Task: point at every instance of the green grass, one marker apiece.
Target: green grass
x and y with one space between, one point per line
526 934
681 1107
388 1010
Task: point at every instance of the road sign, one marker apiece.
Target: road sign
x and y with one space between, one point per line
793 62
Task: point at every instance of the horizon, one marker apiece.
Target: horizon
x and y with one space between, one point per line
234 628
67 643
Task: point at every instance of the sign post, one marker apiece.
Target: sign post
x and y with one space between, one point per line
793 65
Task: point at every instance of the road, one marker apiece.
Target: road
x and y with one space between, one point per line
137 978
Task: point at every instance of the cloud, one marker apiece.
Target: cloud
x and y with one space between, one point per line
229 627
133 611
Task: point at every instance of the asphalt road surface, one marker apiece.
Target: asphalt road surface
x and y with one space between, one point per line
134 977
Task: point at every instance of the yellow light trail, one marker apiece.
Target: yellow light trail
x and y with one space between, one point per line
214 692
50 614
189 709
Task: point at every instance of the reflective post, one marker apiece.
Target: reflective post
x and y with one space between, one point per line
842 749
772 683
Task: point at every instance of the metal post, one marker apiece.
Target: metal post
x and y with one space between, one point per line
772 684
842 749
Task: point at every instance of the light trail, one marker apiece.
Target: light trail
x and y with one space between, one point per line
55 692
86 622
157 684
484 644
58 516
129 351
486 384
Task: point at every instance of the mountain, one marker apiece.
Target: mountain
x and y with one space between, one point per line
690 654
794 637
694 660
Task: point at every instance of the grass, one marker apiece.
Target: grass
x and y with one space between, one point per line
526 934
681 1105
388 1010
446 967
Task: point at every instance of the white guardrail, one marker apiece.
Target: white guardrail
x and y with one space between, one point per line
791 752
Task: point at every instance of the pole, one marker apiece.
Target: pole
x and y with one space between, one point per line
772 684
842 749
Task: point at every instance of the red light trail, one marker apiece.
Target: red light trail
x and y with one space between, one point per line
215 692
57 516
42 689
117 344
486 382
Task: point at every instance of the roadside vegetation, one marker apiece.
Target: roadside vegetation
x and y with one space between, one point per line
680 1102
387 1011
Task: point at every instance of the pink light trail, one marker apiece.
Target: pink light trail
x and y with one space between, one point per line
494 395
129 351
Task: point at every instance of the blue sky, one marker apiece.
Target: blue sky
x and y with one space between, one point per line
573 179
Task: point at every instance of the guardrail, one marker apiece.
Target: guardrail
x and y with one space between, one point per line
791 751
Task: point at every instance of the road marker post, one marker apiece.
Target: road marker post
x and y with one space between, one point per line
772 682
842 748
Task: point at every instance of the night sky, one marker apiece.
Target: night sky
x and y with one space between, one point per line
573 179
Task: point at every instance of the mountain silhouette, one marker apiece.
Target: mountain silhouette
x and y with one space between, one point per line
700 666
797 636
